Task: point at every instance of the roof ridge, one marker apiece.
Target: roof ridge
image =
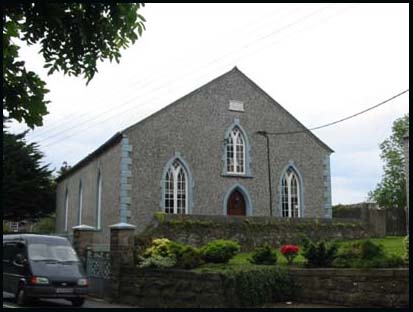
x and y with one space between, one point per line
251 82
180 99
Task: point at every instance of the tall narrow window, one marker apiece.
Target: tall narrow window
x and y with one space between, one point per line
66 209
79 215
290 194
235 152
176 189
99 201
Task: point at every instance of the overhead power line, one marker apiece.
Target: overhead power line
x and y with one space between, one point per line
87 122
337 121
58 123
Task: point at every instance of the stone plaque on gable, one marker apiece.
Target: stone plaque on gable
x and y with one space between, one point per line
237 106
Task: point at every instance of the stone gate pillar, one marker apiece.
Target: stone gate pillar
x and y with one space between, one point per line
122 238
82 238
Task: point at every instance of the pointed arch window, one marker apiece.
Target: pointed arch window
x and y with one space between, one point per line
235 152
99 201
290 194
176 189
66 210
80 207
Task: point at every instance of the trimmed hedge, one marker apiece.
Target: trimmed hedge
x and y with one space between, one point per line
220 251
258 285
264 255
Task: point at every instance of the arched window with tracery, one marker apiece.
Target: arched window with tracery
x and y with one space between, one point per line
176 189
290 194
80 206
66 210
235 151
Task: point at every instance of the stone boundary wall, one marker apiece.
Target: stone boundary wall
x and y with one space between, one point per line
250 232
151 288
353 287
389 221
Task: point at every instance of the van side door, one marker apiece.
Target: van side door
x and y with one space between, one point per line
13 271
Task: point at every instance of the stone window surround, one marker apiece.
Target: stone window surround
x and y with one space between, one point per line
289 178
247 152
173 176
80 204
98 215
66 205
301 183
190 182
247 198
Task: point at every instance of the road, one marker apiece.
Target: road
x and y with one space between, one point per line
8 302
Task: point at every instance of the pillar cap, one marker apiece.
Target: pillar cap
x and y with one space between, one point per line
83 227
122 226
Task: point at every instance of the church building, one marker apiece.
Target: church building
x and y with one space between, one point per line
227 148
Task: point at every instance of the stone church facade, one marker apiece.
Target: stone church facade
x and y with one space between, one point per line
201 155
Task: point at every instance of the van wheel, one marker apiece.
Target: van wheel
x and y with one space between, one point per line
21 297
78 302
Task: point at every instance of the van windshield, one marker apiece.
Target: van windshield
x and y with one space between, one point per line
61 253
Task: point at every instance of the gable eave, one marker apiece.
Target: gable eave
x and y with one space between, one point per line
174 103
259 89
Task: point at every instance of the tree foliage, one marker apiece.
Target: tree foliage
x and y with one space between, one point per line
28 186
45 225
72 36
391 191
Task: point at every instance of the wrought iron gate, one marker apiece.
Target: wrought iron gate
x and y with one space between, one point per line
98 270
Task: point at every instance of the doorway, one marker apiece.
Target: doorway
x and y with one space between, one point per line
236 204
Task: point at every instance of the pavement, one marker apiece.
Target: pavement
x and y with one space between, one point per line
295 305
9 302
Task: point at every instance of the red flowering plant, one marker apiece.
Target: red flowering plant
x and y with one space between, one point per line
289 252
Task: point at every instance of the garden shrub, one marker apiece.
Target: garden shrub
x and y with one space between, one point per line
258 285
165 253
157 261
264 255
318 254
160 247
289 252
220 251
187 257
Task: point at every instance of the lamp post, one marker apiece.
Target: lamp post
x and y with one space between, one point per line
265 134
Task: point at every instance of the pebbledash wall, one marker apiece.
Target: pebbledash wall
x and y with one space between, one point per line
108 164
193 129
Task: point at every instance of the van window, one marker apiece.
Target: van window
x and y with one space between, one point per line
10 250
38 252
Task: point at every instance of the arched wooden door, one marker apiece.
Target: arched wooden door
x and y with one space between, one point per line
236 204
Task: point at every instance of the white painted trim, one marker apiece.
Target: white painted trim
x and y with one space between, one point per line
99 201
80 203
66 210
83 227
122 226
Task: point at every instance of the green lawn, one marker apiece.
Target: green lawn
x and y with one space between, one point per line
392 245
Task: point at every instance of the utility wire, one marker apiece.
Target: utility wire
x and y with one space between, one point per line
87 121
337 121
58 123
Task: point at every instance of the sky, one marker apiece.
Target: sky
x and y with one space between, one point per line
321 62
